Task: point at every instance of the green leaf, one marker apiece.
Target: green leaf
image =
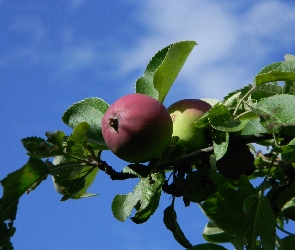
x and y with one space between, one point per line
145 84
289 57
253 127
207 246
220 144
78 139
123 205
170 221
138 169
289 209
56 137
214 234
39 148
221 119
17 183
279 71
289 88
277 111
90 110
73 179
260 215
163 69
225 208
145 199
261 91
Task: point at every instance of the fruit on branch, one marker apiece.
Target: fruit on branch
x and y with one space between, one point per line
137 128
184 113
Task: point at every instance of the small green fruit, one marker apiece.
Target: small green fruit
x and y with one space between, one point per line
184 113
137 128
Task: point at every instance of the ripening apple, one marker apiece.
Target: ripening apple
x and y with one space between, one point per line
137 128
184 113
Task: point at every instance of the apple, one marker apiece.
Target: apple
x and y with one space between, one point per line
184 113
137 128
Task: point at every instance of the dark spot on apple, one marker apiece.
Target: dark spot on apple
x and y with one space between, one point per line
114 123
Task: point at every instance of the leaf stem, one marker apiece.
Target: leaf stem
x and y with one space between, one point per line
263 185
244 97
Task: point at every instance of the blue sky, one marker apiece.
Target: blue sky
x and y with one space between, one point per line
55 53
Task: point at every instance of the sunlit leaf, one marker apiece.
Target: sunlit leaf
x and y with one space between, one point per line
145 199
78 139
166 74
220 144
163 69
276 111
90 110
253 127
279 71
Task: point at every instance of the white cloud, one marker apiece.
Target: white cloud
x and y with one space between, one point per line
233 39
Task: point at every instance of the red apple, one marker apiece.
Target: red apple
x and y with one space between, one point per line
137 128
184 113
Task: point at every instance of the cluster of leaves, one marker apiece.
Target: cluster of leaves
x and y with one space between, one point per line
219 178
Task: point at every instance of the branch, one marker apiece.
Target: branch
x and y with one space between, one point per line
114 175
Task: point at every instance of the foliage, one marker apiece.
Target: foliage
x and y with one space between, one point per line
219 178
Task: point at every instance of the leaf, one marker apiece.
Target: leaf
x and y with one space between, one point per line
145 199
90 110
225 208
163 69
289 209
253 127
39 148
75 180
170 221
289 88
220 144
277 111
207 246
17 183
123 205
221 119
56 137
289 57
145 84
214 234
279 71
78 139
138 169
260 215
261 91
5 234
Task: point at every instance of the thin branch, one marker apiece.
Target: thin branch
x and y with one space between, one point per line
283 230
